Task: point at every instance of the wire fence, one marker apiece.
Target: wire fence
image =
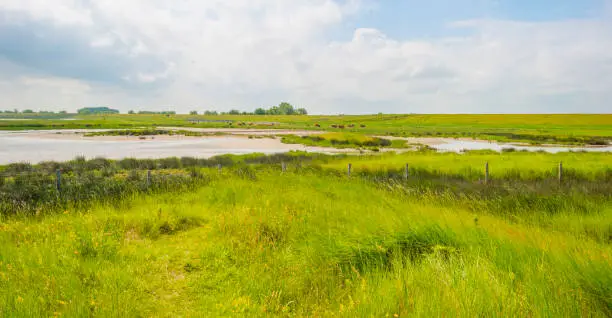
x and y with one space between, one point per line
32 191
150 176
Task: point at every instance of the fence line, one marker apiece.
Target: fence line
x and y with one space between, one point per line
39 176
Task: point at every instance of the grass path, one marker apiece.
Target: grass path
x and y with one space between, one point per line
300 246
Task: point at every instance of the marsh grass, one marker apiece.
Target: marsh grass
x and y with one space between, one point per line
344 140
323 246
253 241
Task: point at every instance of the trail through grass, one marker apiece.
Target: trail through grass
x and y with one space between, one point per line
307 244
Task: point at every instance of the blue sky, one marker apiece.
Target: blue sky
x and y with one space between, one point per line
330 56
409 19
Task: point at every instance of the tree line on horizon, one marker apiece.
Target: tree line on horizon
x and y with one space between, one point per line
282 109
30 111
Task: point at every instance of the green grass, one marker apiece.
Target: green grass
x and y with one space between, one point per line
344 140
253 241
560 128
325 247
521 165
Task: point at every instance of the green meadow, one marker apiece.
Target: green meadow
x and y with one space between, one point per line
251 240
595 129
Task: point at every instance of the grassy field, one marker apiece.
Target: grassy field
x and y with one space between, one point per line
570 128
344 140
471 166
251 240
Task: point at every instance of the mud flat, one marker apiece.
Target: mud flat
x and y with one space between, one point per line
38 146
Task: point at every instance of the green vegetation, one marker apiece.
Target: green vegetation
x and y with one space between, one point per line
97 111
30 115
149 112
470 166
251 240
281 109
577 129
29 111
344 140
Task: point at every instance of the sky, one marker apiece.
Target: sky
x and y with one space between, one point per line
329 56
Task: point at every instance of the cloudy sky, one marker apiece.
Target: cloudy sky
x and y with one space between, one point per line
330 56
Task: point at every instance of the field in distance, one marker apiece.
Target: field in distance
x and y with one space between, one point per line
593 129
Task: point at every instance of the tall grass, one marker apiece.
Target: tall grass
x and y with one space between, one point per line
300 243
518 180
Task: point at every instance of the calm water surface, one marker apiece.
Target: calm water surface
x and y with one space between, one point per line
24 147
36 146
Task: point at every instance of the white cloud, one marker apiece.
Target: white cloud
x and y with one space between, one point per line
248 53
103 41
61 12
58 93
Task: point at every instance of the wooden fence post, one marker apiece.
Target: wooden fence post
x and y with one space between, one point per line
58 180
350 166
406 172
487 172
284 166
148 178
560 172
219 167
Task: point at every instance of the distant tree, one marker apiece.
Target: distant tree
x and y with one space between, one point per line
286 109
131 112
149 112
274 110
97 110
28 111
63 112
193 112
282 109
211 113
260 111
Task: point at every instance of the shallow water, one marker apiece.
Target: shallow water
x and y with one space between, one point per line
37 146
22 147
456 145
